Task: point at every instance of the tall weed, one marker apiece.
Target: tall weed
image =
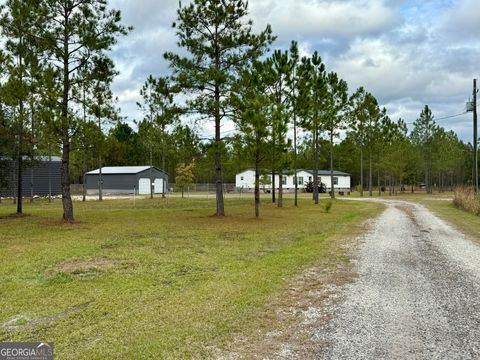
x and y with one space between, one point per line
465 198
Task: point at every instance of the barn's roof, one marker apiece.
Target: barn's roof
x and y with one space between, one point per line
120 170
36 158
46 158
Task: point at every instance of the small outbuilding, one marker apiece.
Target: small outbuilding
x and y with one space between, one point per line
127 180
40 176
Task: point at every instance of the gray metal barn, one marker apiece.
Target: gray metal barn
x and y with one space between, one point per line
127 180
40 177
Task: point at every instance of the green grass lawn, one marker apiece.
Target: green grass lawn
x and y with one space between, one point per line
463 220
163 280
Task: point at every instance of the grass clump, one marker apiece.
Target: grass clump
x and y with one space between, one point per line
328 205
467 199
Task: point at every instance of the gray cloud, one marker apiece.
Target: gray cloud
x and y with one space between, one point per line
407 53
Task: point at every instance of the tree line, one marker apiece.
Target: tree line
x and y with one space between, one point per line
289 111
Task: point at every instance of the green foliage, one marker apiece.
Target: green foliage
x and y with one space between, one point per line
328 205
220 43
422 136
184 175
322 188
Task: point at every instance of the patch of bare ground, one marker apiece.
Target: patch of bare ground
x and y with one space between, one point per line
81 265
88 268
289 324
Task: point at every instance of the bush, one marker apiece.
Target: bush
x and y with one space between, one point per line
328 205
467 199
322 188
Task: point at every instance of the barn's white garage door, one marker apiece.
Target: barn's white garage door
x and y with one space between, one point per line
158 186
144 186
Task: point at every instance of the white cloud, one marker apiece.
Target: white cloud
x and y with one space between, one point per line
325 18
462 22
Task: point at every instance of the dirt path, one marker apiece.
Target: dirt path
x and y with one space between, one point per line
417 295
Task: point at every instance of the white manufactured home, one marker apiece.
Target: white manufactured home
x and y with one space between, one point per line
245 181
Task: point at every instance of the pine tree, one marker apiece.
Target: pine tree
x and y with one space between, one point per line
336 103
220 42
251 103
159 109
423 136
78 32
21 22
313 90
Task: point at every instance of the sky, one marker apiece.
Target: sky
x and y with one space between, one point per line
407 53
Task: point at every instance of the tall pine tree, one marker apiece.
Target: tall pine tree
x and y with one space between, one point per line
220 42
78 32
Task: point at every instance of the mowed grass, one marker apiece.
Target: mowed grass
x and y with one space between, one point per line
466 222
163 280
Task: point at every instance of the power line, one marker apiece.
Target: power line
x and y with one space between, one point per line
443 118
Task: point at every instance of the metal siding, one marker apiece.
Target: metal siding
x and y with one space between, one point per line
122 183
111 182
41 172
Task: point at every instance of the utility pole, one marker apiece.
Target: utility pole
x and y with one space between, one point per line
475 137
472 106
100 178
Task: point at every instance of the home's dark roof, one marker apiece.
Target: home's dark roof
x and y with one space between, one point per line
328 172
320 172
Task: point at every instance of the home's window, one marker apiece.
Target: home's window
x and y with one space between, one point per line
300 180
241 178
335 180
284 180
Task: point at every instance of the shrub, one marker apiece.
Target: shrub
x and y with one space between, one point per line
466 199
328 205
322 188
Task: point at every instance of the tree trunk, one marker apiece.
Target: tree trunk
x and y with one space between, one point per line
315 166
32 155
280 188
100 179
370 173
332 193
20 148
65 180
19 175
295 178
65 137
84 187
274 162
379 186
218 157
49 174
257 184
14 181
163 160
151 175
361 171
273 186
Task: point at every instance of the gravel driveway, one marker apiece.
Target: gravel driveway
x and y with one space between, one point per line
417 295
